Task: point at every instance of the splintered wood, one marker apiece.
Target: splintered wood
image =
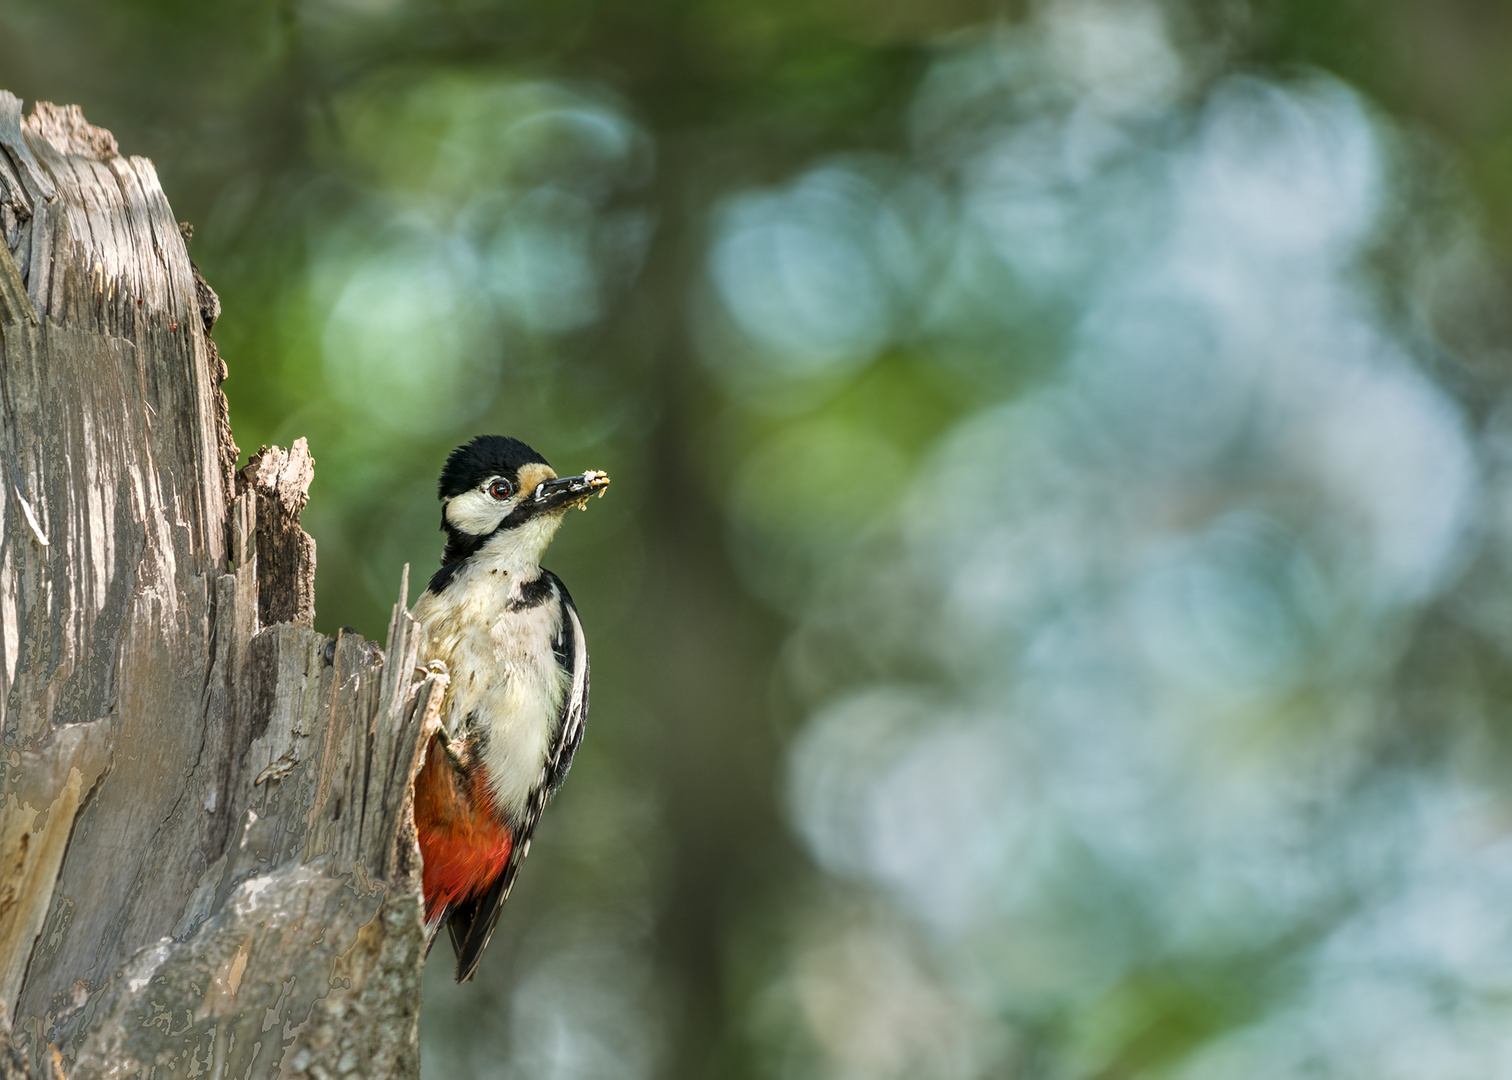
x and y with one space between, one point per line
285 552
207 861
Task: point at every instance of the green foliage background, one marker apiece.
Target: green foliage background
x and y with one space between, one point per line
931 484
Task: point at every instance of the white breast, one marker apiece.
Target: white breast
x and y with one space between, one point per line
504 674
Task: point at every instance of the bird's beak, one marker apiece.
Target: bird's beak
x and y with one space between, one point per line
564 491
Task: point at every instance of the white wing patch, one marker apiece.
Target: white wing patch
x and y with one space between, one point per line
572 722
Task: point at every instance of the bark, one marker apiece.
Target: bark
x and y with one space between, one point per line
207 861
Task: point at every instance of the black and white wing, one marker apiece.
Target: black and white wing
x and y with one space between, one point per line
472 921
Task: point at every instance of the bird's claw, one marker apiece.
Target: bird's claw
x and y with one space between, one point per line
456 749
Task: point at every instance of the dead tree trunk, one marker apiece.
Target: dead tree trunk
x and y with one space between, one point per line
207 862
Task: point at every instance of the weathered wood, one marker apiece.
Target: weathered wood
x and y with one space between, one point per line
207 863
285 552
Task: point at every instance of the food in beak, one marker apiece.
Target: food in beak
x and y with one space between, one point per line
571 490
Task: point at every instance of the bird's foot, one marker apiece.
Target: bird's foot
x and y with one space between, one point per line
456 749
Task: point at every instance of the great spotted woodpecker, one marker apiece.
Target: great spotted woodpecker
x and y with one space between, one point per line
513 715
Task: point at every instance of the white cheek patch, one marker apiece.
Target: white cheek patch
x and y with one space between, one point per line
476 512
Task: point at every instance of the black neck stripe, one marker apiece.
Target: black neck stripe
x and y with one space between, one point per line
461 546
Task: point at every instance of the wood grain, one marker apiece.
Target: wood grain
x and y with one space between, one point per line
209 865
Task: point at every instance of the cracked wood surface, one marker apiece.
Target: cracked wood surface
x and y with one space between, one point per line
285 552
207 862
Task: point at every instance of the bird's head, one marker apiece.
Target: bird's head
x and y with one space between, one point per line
498 493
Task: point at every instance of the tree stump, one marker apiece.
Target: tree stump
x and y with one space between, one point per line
209 865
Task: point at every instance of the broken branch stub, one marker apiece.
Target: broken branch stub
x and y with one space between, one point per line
285 552
209 862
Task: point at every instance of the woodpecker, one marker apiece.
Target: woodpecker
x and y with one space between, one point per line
510 637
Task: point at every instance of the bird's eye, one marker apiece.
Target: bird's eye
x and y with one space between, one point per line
500 489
